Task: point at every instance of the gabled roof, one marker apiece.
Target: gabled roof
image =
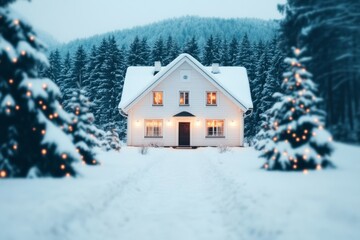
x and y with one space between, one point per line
231 81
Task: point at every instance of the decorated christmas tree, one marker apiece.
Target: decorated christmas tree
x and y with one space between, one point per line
294 136
84 131
31 140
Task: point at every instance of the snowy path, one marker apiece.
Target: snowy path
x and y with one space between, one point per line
170 199
184 195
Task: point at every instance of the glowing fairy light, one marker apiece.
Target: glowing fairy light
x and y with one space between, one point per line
3 174
64 156
11 81
16 21
43 151
62 166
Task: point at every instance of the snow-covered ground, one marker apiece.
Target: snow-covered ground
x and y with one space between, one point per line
186 194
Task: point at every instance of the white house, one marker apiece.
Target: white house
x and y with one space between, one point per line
186 104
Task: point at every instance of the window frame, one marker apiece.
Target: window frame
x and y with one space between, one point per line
153 98
217 129
153 135
188 98
216 98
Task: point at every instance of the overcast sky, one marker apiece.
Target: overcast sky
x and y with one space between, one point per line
70 19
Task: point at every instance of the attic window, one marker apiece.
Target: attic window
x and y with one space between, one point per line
157 98
211 99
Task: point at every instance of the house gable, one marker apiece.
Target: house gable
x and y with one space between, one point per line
127 103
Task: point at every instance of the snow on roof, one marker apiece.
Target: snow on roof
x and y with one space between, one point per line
232 80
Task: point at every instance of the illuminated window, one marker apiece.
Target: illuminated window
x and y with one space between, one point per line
153 128
184 98
211 98
158 98
215 128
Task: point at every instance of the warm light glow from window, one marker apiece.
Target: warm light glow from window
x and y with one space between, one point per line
211 98
153 128
215 128
157 98
184 98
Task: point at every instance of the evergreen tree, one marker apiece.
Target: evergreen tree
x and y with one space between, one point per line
233 52
158 51
168 54
83 127
31 140
54 70
174 52
113 141
90 66
76 75
209 55
135 51
225 58
295 138
95 79
244 58
191 47
65 72
217 49
145 53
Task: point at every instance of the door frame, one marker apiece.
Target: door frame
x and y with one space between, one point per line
179 132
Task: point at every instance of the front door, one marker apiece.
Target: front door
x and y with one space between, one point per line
184 134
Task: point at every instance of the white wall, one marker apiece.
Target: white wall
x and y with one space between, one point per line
197 85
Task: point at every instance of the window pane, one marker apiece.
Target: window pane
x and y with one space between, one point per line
157 98
215 128
153 128
211 98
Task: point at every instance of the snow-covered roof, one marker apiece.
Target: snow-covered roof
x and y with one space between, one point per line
232 81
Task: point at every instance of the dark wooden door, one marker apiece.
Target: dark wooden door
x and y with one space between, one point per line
184 134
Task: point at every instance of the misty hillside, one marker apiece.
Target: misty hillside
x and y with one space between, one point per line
184 28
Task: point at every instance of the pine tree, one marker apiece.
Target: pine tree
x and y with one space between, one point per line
90 66
145 53
135 51
83 128
76 75
96 77
295 138
65 72
217 49
31 140
209 55
158 51
191 47
225 58
174 52
233 51
113 141
168 54
54 70
244 58
257 86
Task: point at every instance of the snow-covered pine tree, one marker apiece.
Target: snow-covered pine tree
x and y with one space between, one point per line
208 56
217 49
65 72
95 79
225 58
90 66
76 75
158 51
233 51
245 53
296 138
191 47
145 52
31 140
83 126
54 70
134 54
167 51
113 141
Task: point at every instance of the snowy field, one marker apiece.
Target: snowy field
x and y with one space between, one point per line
186 194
